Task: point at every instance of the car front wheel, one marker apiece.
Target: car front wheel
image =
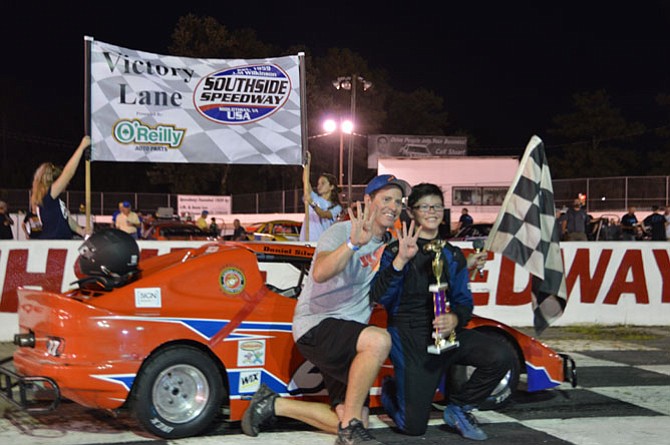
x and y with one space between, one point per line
179 393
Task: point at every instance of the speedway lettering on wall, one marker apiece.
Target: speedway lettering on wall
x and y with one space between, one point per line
607 282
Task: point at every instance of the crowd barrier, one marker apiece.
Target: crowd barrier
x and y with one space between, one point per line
608 283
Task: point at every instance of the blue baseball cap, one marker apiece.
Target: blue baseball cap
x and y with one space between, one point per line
381 181
126 204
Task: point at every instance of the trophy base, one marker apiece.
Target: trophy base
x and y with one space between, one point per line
434 288
442 346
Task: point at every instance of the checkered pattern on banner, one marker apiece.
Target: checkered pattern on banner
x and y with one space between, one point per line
526 232
118 73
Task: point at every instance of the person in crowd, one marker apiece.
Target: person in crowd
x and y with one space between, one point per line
655 223
48 183
201 222
127 220
6 222
667 223
116 212
147 225
402 287
330 324
214 230
31 225
465 220
239 234
576 222
324 204
629 225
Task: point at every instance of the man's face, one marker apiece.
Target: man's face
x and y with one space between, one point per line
388 204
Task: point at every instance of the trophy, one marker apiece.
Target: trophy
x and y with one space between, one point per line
478 245
440 303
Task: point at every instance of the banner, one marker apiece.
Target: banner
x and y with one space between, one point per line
154 108
413 146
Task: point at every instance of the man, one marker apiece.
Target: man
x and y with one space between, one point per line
330 321
127 220
576 222
239 234
656 223
202 221
465 220
629 225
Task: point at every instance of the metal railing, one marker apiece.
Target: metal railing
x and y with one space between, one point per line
602 194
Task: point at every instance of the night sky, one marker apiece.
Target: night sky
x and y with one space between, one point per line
504 69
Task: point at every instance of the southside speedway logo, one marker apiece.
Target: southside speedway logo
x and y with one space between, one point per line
242 95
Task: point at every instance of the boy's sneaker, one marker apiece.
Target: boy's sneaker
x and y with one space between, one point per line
461 419
354 434
261 410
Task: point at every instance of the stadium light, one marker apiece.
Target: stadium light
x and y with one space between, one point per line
345 127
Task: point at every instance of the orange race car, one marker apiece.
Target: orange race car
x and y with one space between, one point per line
188 338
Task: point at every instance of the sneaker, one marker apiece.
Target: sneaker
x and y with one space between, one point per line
354 434
261 410
461 419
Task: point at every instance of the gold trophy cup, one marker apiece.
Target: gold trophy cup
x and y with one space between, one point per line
440 302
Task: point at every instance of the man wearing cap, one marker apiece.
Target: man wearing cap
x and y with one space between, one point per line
127 220
202 221
330 321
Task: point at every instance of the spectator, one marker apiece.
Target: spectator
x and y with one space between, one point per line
574 226
655 223
116 212
213 228
48 183
147 225
239 234
629 225
330 321
127 220
667 223
324 204
465 220
31 225
6 222
201 222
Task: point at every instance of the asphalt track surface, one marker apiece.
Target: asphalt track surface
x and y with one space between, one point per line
623 397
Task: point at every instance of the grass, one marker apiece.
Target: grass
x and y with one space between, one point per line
619 332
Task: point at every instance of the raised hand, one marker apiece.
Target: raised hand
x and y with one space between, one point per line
407 244
361 224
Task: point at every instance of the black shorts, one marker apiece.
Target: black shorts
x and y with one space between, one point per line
331 347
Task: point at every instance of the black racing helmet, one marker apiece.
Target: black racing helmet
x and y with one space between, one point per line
111 254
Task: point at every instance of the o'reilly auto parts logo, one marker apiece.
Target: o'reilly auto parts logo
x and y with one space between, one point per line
242 95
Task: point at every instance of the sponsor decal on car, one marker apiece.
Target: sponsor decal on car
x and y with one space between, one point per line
251 353
232 280
148 297
250 381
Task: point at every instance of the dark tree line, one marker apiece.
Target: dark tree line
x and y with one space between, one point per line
594 139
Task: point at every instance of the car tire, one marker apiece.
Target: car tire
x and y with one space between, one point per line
502 393
179 393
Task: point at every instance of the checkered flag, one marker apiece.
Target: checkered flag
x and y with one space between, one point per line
526 232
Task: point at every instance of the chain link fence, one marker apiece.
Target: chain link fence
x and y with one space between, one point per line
603 194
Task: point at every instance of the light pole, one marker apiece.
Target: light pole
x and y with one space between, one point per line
350 83
346 126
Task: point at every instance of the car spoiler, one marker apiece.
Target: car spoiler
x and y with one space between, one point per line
32 394
569 369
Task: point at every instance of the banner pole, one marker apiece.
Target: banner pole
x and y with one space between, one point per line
303 128
87 130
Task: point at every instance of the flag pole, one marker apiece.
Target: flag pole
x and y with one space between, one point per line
87 130
303 125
